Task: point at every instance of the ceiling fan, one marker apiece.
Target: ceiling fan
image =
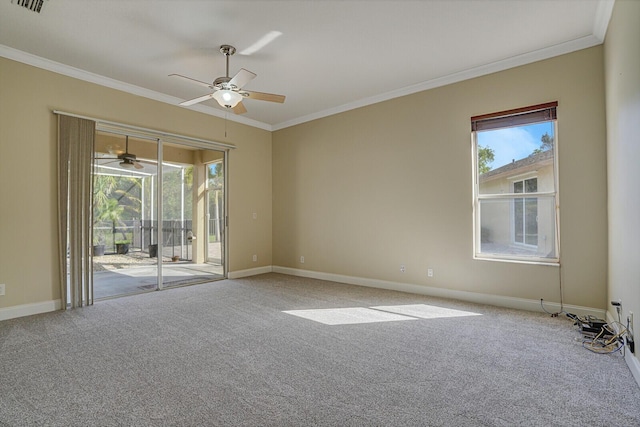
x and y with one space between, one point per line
127 160
228 91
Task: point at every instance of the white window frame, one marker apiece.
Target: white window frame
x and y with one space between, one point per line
477 197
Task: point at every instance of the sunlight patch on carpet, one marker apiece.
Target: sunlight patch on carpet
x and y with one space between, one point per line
348 316
424 311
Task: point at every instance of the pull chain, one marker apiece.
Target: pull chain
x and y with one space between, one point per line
226 117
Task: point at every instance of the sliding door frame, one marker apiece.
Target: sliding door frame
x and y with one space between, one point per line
165 137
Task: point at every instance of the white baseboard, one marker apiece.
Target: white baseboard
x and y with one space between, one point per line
634 364
497 300
632 360
29 309
249 272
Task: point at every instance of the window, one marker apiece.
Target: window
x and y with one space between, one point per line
515 185
525 213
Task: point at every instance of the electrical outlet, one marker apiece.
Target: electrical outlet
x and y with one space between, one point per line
255 215
2 288
430 272
402 268
301 260
255 258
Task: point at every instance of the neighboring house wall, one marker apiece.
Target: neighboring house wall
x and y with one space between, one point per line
498 216
622 65
362 192
28 206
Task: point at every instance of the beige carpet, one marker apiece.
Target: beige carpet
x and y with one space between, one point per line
238 353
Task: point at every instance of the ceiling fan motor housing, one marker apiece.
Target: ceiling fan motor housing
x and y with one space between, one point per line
227 50
221 82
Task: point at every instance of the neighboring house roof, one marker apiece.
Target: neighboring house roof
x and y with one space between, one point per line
529 163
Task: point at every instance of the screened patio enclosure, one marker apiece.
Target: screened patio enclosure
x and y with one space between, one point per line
154 225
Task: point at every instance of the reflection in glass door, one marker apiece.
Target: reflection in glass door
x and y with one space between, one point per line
177 224
215 212
185 221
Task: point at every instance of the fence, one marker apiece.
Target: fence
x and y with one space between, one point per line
141 235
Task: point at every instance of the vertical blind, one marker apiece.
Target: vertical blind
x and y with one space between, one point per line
76 139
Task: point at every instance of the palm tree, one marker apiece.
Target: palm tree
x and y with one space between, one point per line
103 186
112 197
112 211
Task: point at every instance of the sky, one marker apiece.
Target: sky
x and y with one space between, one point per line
514 143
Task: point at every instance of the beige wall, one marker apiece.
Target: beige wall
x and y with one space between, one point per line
362 192
356 194
28 95
622 65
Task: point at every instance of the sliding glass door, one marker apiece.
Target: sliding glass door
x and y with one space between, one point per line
150 228
124 211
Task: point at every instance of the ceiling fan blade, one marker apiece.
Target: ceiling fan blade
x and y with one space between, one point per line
196 100
106 164
137 165
264 40
189 79
261 96
239 108
242 78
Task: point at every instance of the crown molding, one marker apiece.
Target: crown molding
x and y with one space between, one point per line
604 10
505 64
601 22
76 73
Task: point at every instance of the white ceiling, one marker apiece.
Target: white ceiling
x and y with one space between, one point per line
332 56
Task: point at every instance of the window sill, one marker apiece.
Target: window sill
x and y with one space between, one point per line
546 262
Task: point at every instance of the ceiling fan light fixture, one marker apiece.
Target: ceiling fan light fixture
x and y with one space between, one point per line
227 98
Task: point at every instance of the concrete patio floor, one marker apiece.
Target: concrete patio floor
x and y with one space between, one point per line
136 279
116 275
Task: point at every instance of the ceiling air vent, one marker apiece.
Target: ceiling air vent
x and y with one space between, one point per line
33 5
